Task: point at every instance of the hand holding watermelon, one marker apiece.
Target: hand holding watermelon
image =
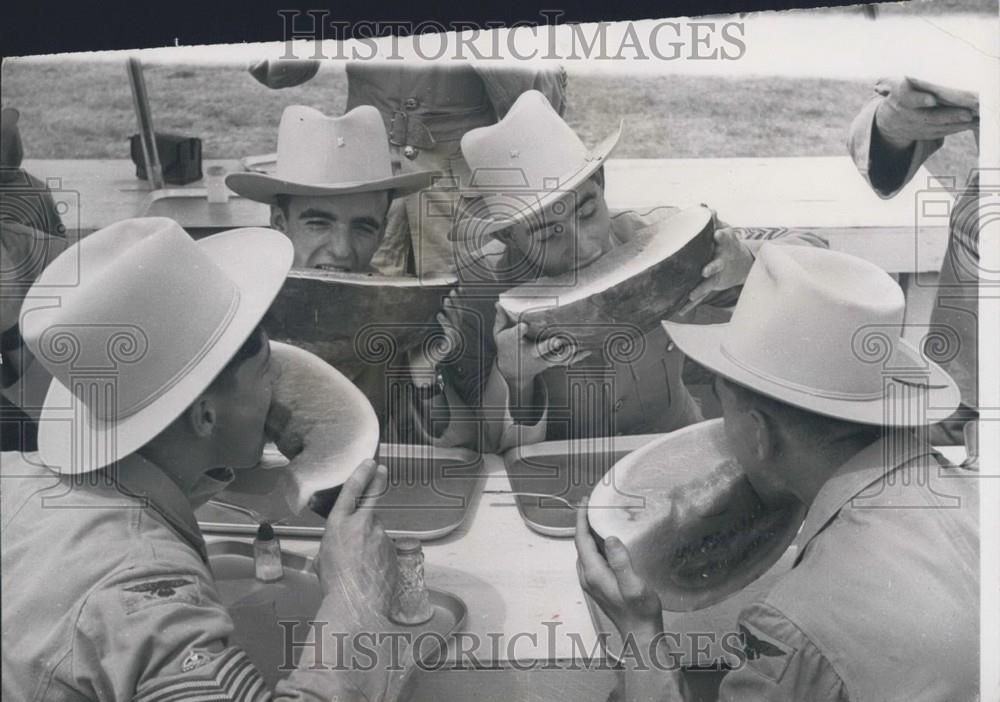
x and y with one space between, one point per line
621 593
729 267
356 558
521 359
359 572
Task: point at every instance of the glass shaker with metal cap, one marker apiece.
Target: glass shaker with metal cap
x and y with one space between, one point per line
410 602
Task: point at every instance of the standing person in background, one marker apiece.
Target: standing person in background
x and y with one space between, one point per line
895 132
23 197
31 235
426 109
24 254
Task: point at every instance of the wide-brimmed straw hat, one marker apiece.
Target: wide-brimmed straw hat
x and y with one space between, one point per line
524 162
320 155
134 322
821 330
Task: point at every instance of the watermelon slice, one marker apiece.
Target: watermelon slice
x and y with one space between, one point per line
632 287
694 526
355 320
320 421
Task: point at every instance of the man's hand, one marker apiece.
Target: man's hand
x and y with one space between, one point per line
450 320
907 115
358 572
728 268
520 360
628 601
357 561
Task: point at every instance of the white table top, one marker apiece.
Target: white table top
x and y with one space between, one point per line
513 581
510 578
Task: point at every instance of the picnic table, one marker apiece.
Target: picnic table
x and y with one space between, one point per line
521 588
516 583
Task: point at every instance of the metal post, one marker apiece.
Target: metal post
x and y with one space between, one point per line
145 118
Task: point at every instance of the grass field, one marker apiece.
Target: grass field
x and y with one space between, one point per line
84 110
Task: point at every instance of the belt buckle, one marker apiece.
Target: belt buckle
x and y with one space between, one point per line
398 128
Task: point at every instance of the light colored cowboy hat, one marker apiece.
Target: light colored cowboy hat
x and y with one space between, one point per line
134 322
820 330
320 155
522 163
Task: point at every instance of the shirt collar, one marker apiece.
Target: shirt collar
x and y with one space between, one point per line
897 448
145 480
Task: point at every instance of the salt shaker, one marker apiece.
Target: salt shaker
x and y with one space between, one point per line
215 185
410 602
267 555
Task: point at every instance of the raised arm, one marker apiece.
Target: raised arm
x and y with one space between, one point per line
897 130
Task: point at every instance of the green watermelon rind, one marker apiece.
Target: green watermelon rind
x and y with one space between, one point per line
639 302
336 315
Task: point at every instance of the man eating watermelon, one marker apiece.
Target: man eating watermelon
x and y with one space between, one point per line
538 197
881 602
161 388
331 196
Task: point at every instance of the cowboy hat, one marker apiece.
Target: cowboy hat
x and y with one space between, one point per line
820 330
320 155
133 323
527 160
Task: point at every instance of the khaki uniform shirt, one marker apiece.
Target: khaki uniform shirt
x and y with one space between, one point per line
883 601
107 595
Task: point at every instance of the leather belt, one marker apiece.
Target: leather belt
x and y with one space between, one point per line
425 131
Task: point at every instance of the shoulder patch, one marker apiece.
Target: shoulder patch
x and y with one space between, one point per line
151 591
765 654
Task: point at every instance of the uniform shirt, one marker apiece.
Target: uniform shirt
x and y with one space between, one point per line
635 388
25 251
883 601
26 200
957 304
107 595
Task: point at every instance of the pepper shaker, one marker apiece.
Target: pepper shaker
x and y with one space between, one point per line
410 603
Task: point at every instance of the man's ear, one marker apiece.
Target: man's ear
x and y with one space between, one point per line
202 416
385 216
598 177
504 236
278 219
764 440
